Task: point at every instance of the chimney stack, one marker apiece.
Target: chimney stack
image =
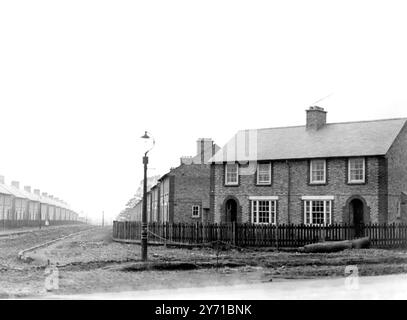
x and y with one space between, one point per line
204 149
27 188
316 118
2 179
44 194
37 192
15 184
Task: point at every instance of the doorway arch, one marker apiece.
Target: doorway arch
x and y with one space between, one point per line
231 210
357 214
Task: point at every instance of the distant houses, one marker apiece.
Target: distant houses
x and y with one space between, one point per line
130 211
24 207
181 195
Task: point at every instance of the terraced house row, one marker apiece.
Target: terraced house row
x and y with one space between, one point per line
319 173
26 207
182 194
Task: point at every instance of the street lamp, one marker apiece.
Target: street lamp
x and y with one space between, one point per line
147 148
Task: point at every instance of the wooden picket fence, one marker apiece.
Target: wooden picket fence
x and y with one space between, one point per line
253 235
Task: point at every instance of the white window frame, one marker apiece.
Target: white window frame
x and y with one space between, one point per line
234 183
258 174
199 211
325 200
272 214
350 181
310 172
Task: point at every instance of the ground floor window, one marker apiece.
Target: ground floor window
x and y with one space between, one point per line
318 212
263 211
195 211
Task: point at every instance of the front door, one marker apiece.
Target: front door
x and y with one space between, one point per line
358 221
231 211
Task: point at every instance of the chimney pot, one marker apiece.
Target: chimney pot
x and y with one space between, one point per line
316 118
15 184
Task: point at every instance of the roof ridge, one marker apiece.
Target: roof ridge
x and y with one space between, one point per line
329 123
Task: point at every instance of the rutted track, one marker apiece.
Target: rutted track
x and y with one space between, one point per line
12 244
21 254
20 279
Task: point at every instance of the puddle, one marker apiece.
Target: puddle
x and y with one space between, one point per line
178 266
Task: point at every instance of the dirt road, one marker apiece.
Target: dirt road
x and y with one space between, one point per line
93 263
18 279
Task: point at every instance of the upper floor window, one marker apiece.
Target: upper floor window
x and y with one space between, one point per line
356 170
195 211
264 173
232 174
318 171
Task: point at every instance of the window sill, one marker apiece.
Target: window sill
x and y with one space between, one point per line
317 183
263 223
356 182
263 184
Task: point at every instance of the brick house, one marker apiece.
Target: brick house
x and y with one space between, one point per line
183 191
320 173
182 194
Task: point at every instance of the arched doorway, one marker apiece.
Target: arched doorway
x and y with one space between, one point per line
231 210
356 208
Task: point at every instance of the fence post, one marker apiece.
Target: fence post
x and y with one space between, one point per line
234 233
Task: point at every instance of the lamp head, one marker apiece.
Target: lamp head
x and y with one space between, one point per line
145 136
148 142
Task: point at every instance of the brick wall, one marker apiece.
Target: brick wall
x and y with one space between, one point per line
289 203
164 187
190 187
397 174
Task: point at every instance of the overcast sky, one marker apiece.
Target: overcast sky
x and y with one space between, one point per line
80 81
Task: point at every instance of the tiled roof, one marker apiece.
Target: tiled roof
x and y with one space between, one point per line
4 190
19 193
13 191
333 140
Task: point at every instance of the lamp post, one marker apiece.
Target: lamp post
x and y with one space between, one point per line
146 139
